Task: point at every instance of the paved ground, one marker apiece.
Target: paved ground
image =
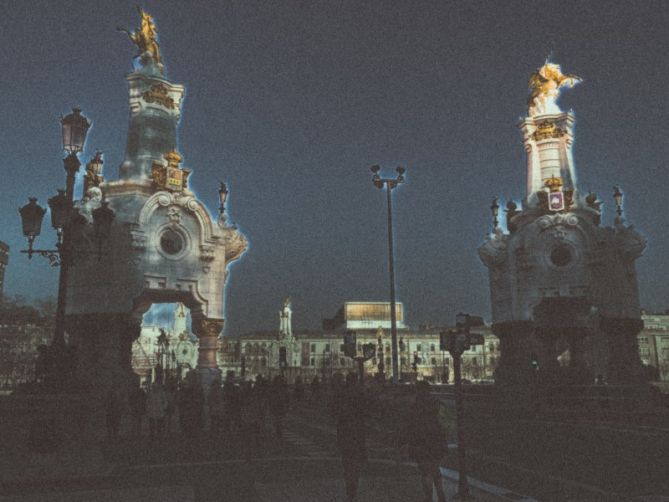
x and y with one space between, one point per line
301 466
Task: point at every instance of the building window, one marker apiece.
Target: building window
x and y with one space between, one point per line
341 348
313 349
327 348
432 347
342 362
418 348
313 362
433 361
475 361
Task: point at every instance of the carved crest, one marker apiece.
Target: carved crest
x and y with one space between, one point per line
547 130
171 177
158 93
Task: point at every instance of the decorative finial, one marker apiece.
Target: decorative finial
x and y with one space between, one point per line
553 183
545 84
618 198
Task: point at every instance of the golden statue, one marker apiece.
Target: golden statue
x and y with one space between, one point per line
545 84
146 37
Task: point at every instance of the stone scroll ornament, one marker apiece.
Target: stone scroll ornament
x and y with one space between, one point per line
545 85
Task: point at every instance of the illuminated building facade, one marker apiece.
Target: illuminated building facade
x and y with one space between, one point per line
164 245
562 285
321 354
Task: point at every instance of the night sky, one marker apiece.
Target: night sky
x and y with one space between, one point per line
290 103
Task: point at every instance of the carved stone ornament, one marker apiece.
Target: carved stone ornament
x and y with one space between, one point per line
174 215
493 251
551 220
207 255
138 240
235 244
630 242
171 177
159 93
209 327
547 130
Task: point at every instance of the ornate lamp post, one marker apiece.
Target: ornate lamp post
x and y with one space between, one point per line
390 184
65 219
618 198
222 196
494 209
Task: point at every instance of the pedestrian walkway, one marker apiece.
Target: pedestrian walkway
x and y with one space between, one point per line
318 482
308 447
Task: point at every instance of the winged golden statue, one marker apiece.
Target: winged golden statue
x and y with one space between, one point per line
545 84
145 38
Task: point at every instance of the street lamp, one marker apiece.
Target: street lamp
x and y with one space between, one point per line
618 197
390 184
65 219
494 209
222 196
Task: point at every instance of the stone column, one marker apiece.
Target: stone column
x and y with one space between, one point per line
549 368
102 346
101 359
516 343
623 364
207 330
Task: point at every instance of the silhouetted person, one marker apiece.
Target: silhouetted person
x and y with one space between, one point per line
278 403
250 418
315 389
231 404
137 403
191 404
298 390
426 440
114 413
262 390
42 363
350 410
156 406
216 407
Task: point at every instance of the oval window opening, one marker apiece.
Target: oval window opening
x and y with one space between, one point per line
171 242
561 256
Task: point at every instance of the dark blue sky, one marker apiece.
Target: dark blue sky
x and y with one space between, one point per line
290 102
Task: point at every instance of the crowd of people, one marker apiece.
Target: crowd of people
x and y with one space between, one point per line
251 412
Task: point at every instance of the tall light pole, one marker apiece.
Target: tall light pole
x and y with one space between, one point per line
390 184
65 218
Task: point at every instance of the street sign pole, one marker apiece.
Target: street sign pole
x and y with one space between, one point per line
463 485
456 342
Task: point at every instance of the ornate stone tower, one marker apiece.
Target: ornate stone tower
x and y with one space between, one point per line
563 288
164 246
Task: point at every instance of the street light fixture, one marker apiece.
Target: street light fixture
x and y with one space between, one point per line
618 197
390 184
494 209
222 196
66 220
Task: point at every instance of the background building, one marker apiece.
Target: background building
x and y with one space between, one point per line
560 283
654 345
321 354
